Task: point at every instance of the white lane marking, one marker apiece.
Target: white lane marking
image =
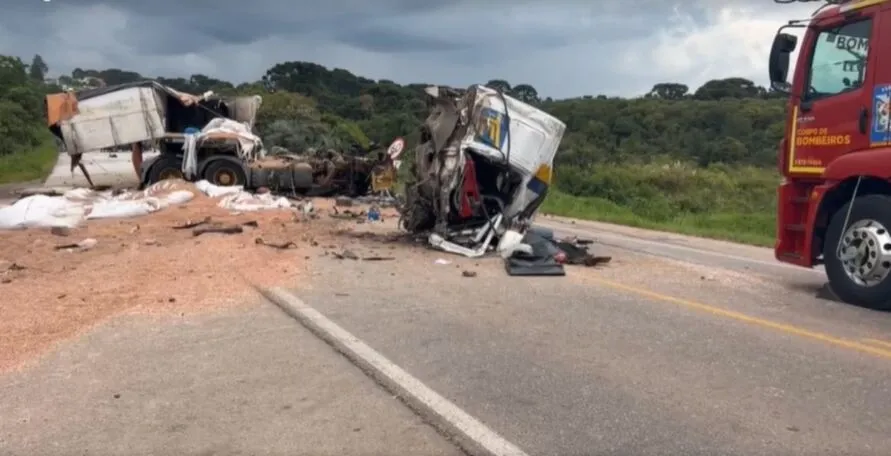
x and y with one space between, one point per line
591 232
357 351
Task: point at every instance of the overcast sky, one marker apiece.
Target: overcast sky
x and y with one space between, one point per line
563 48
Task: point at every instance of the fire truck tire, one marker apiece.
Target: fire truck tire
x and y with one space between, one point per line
166 167
863 277
225 173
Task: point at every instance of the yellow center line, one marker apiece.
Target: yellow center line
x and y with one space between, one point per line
782 327
878 342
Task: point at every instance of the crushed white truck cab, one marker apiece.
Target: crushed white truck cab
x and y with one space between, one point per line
481 171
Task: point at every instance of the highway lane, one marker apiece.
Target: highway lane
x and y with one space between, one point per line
661 352
770 287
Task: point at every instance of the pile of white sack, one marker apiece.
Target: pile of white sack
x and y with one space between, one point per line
78 205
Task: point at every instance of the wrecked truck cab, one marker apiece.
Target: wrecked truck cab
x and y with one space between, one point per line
483 168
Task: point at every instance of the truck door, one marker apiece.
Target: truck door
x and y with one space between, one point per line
832 116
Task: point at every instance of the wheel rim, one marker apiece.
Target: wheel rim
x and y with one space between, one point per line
224 177
170 174
865 252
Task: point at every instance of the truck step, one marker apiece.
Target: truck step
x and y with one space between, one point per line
800 200
798 227
792 255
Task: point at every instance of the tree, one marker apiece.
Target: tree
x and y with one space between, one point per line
21 108
38 69
729 88
525 93
500 85
668 91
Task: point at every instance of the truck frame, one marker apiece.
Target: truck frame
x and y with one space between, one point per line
199 138
834 203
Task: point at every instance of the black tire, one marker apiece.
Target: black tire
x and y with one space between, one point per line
878 297
225 173
166 167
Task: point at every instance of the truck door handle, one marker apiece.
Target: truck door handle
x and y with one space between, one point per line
864 120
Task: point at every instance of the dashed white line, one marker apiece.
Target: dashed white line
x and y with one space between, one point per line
446 415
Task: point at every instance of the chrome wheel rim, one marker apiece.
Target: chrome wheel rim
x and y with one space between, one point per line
865 252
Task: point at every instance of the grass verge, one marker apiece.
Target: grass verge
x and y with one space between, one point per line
747 228
28 166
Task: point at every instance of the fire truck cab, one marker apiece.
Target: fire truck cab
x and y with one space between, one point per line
834 203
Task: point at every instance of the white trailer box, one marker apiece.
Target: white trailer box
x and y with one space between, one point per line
116 118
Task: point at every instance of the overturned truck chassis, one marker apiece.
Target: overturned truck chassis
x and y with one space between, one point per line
481 171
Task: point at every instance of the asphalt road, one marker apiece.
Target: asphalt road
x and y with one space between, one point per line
241 381
678 346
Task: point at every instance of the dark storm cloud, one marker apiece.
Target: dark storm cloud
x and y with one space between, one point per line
562 47
395 41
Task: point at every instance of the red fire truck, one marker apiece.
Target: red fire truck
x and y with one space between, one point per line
834 204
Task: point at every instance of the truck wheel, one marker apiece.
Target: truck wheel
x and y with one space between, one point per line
862 276
225 173
166 167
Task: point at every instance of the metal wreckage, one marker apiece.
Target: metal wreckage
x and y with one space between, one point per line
481 172
201 137
479 175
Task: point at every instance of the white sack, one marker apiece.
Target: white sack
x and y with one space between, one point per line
247 202
41 211
214 191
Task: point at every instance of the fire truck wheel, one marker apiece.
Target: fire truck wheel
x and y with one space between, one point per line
857 255
225 173
167 167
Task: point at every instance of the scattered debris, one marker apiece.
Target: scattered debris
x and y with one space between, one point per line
280 245
218 228
84 245
469 273
346 214
575 252
380 201
442 261
378 258
534 256
343 201
374 214
538 253
60 231
346 255
11 266
190 224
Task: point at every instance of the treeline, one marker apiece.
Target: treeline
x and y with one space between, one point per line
22 89
731 121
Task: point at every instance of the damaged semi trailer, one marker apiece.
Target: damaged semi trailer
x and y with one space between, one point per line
199 138
481 171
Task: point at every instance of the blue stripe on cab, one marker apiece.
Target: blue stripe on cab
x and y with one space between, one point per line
537 185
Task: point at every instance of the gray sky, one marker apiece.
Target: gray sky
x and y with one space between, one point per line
562 47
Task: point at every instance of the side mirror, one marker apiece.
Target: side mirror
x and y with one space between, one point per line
778 63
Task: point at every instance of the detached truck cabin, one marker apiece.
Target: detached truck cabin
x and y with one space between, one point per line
148 113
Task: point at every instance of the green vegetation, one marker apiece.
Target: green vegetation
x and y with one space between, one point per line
27 151
701 162
29 165
722 202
